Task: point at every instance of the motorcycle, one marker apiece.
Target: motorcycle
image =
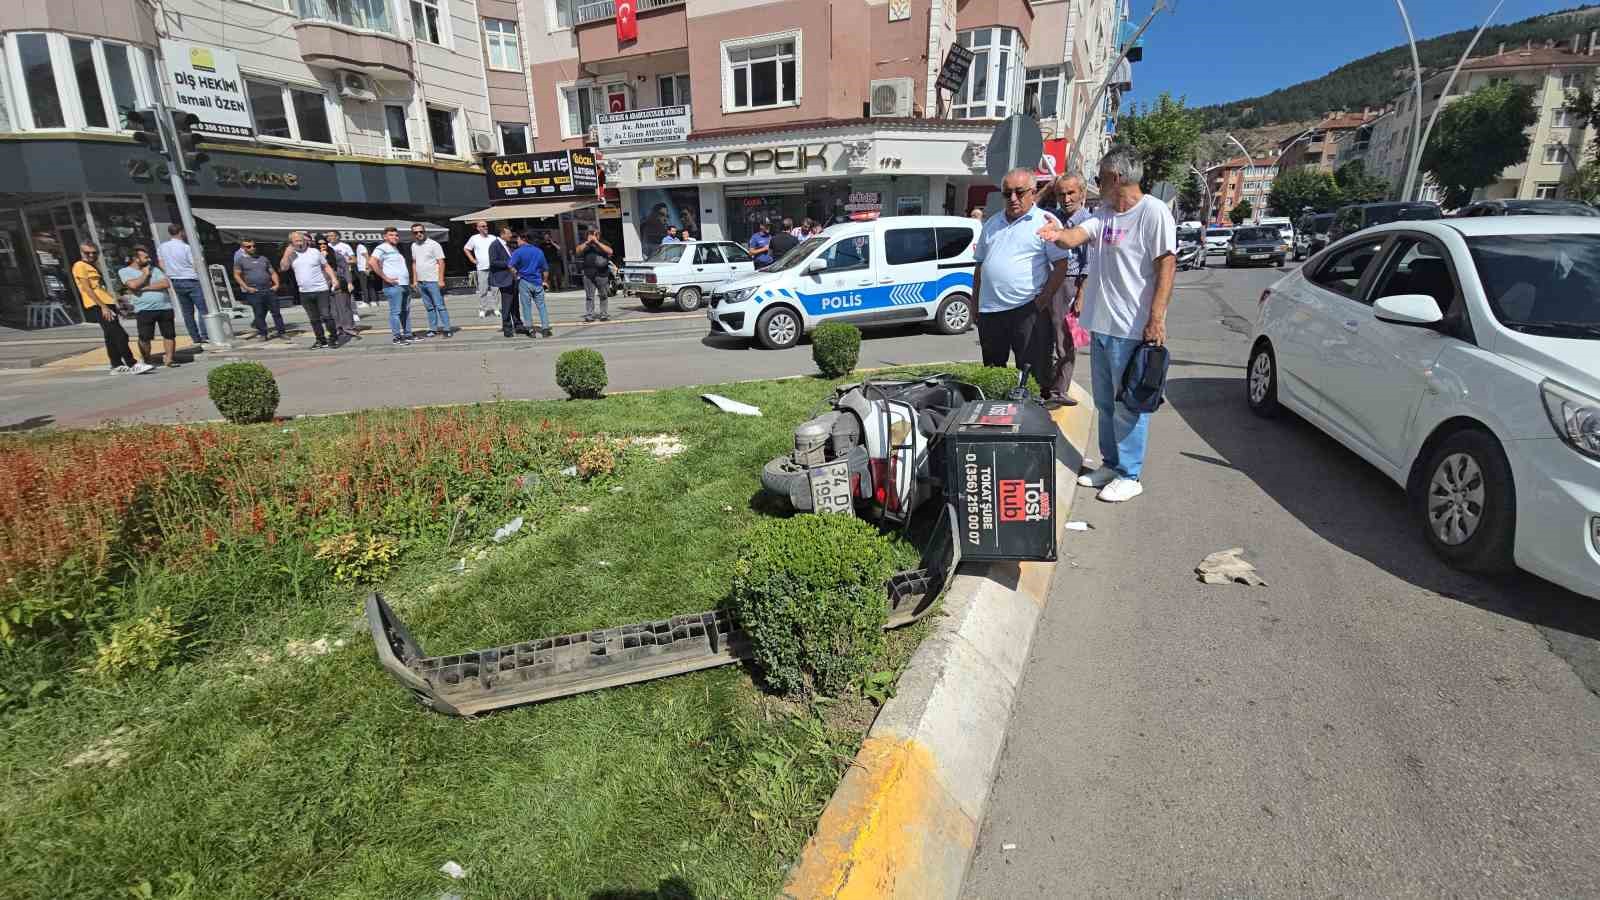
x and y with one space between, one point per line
1191 256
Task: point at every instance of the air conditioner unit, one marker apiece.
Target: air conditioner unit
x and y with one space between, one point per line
356 86
891 97
483 143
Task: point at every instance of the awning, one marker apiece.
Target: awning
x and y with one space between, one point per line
255 225
546 210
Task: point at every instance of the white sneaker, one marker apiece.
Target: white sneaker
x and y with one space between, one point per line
482 313
1099 478
1121 490
120 370
142 368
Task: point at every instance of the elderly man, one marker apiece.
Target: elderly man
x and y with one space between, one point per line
1018 272
1135 241
1066 204
477 251
314 279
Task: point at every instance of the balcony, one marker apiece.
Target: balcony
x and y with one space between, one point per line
352 34
606 10
663 28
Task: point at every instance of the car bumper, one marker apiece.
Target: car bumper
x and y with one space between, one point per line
731 319
1558 505
640 289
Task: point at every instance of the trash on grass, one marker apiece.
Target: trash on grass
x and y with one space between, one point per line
453 869
1079 526
460 567
108 751
1228 567
570 471
661 446
578 509
307 649
528 482
731 406
505 531
1008 846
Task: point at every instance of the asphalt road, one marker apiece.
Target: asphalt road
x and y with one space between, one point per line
1370 724
643 349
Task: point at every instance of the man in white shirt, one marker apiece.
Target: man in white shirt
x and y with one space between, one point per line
314 278
178 262
389 264
477 253
427 260
363 276
1133 241
1017 275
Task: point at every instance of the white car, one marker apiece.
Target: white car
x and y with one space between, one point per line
687 273
1462 358
1217 240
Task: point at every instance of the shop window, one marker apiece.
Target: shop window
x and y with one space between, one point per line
39 81
500 39
513 138
370 15
992 83
954 241
673 90
658 208
904 246
442 129
396 123
289 113
428 21
1041 92
761 73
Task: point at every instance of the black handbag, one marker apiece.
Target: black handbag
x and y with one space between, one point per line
1144 382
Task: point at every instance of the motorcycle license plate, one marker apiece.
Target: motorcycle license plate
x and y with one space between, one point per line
830 489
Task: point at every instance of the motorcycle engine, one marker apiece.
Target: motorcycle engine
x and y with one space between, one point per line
828 437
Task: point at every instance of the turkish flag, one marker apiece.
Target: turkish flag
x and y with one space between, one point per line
627 24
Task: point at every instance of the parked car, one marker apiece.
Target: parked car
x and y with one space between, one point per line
1257 245
1351 219
1527 208
1312 234
1462 359
1217 240
886 272
687 273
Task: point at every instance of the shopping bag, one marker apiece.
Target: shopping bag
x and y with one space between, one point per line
1080 338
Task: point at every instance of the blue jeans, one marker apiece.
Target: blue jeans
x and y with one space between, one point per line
190 299
532 295
264 302
1123 433
399 297
433 302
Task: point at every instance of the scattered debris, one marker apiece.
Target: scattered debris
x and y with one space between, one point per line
528 482
338 644
662 446
453 869
108 751
731 406
578 509
1008 847
304 650
1079 526
482 555
570 471
505 532
460 567
617 490
603 564
1228 567
727 509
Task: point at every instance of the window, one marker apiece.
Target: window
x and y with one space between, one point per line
39 80
564 12
500 39
311 112
954 241
992 83
371 15
119 71
707 255
1546 190
1555 153
94 105
1041 92
442 129
513 138
289 113
1563 118
761 74
904 246
1342 272
1418 267
1572 81
427 21
580 103
736 253
849 253
672 90
395 122
266 102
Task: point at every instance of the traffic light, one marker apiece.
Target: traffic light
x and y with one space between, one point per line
146 129
191 157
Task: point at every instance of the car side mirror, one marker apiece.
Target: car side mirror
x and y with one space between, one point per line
1408 309
816 266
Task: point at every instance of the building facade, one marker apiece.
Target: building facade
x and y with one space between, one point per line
1318 146
1241 179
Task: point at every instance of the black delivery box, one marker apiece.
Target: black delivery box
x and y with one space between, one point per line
1000 475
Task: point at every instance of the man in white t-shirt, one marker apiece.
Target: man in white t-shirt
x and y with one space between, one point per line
427 259
314 278
477 253
388 263
1133 241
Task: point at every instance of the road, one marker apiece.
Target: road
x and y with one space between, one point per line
1370 724
643 349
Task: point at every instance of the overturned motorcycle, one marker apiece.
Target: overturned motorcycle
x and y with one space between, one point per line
883 450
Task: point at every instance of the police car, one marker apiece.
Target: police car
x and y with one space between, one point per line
887 272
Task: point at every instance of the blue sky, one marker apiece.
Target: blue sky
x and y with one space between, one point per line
1220 50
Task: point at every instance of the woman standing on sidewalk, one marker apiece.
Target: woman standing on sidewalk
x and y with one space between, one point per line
344 311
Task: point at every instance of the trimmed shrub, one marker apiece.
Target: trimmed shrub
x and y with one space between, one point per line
581 373
835 347
243 392
809 591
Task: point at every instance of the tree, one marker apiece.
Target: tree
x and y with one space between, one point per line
1477 138
1356 186
1584 184
1297 189
1191 201
1164 135
1241 214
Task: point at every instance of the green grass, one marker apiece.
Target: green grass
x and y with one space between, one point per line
253 775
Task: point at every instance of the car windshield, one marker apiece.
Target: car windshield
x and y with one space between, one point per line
667 253
798 255
1189 234
1542 284
1219 232
1256 235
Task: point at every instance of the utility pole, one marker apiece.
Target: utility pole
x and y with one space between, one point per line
1092 112
1416 130
1422 146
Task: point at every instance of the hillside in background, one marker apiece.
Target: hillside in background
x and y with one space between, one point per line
1375 80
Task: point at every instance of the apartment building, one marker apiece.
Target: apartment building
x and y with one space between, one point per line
350 114
1240 179
1318 146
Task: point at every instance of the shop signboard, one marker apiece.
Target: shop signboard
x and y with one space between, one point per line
864 206
205 81
641 127
953 74
559 173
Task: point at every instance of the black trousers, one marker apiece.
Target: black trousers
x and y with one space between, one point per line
1025 332
510 311
116 340
319 309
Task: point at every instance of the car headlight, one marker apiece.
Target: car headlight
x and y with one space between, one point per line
737 295
1575 416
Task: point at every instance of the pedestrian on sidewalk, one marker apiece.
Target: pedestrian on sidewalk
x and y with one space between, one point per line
344 312
348 273
477 252
554 256
178 262
98 302
1133 239
313 280
258 285
389 265
1018 273
427 259
504 277
595 257
364 278
533 279
1065 202
152 305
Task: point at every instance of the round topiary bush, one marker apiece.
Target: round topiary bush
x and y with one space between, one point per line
809 591
835 346
243 392
581 373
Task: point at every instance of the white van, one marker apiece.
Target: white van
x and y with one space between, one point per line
1284 224
887 272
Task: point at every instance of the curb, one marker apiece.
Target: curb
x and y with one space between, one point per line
904 820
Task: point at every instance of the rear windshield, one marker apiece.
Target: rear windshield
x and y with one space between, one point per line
667 253
1542 284
1263 235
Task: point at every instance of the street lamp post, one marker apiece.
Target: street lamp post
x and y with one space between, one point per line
1248 165
1416 159
1416 131
1092 112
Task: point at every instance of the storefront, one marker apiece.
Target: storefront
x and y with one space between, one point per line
723 185
554 196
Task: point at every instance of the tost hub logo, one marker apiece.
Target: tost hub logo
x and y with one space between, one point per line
1023 501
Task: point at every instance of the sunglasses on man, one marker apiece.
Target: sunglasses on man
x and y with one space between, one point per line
1008 193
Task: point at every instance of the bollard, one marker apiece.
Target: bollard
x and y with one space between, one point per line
219 329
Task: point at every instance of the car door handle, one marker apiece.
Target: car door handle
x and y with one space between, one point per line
886 281
1351 325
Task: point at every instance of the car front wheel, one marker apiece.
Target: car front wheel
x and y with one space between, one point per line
1467 503
1261 382
778 328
